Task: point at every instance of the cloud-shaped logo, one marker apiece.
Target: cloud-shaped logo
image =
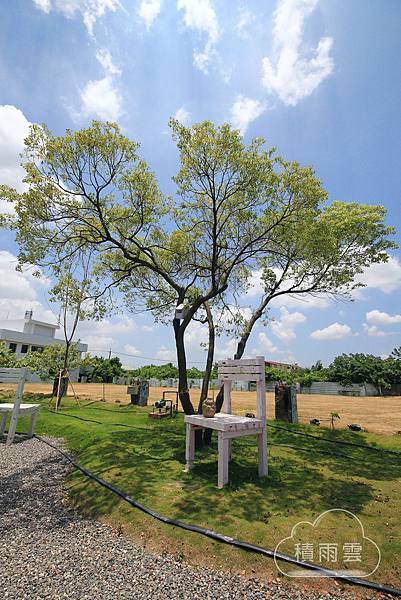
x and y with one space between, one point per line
335 541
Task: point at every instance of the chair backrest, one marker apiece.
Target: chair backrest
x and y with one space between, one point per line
13 375
248 369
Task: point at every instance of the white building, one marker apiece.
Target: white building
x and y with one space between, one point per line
28 334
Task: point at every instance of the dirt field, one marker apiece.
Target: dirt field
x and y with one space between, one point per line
379 415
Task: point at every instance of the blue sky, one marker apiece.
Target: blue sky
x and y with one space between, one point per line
318 79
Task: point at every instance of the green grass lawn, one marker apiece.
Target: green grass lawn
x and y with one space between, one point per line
146 460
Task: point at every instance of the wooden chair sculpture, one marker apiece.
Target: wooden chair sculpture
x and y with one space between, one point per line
230 426
16 409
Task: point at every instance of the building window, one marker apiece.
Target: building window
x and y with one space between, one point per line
24 348
13 347
37 348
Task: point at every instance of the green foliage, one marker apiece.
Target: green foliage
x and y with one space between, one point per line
194 373
365 368
168 371
8 359
99 369
50 361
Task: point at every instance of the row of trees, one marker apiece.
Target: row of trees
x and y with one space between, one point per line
93 203
347 369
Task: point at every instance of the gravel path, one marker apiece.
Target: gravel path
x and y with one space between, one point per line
48 550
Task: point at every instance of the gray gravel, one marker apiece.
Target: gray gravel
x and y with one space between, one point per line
47 550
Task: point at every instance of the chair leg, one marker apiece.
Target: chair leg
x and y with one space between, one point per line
262 453
32 424
3 423
189 447
11 429
223 446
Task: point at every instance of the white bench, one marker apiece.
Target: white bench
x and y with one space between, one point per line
16 409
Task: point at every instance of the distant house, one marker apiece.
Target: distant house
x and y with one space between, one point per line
281 366
28 334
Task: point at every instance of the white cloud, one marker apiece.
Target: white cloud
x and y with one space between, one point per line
44 5
377 317
196 334
164 354
18 291
284 328
101 99
148 11
130 349
335 331
245 19
14 127
244 111
266 344
294 77
374 331
304 301
148 328
104 57
183 116
201 16
98 344
226 351
382 276
89 10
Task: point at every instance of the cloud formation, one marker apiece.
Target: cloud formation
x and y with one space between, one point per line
382 276
335 331
14 127
378 317
89 10
101 98
183 116
200 16
244 111
148 11
284 328
291 75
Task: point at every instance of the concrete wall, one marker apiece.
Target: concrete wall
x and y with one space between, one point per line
338 389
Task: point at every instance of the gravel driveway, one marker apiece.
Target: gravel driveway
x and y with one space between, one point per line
48 550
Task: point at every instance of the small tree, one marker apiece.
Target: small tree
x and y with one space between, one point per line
51 360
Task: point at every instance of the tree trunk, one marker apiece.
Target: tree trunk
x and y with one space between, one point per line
210 357
182 369
62 377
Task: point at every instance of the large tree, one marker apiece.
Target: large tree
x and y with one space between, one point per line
89 189
238 209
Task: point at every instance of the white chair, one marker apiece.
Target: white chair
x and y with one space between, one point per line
16 409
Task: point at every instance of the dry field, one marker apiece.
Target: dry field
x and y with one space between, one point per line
378 415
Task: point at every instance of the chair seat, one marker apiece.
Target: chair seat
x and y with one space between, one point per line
27 408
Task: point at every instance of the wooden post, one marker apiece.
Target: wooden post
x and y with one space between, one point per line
223 449
18 397
3 423
189 447
32 424
262 453
227 397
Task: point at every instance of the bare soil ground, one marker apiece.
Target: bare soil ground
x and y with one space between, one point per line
377 415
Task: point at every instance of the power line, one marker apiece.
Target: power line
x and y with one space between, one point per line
139 356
